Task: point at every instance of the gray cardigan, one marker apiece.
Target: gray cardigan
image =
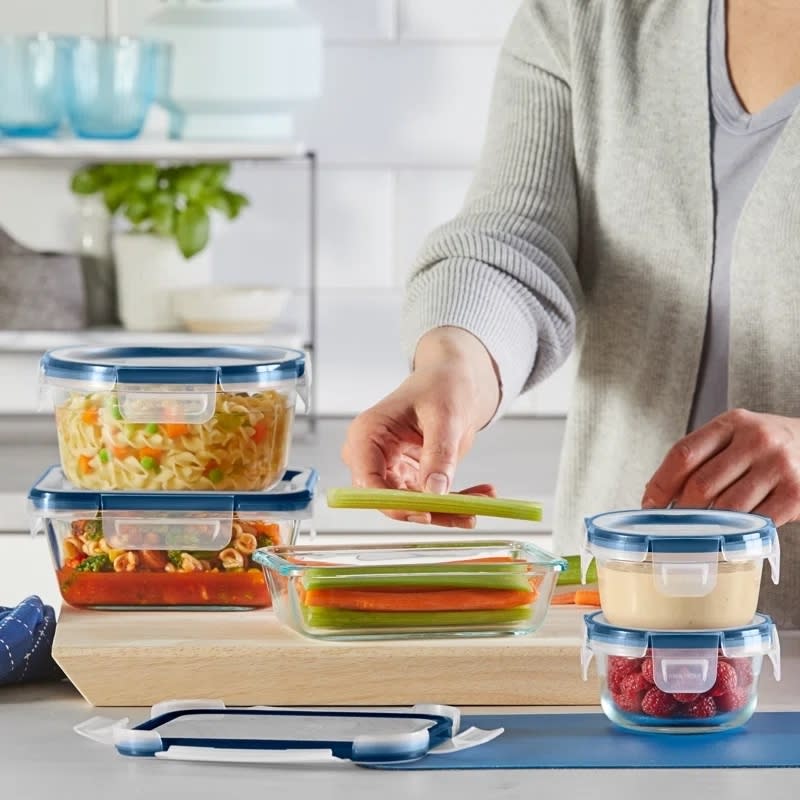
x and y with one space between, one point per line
589 224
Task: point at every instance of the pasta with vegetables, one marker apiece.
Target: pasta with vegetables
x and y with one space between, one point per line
243 447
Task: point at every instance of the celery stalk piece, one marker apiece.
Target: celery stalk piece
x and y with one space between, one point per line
317 617
402 500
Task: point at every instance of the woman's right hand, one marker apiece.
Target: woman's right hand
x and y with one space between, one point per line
414 438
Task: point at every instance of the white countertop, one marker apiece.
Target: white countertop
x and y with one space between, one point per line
42 758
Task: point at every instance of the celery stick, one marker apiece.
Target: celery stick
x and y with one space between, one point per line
571 576
316 617
468 505
446 576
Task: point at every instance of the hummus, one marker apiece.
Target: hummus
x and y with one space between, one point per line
630 597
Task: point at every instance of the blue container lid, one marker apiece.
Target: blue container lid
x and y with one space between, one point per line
205 366
684 661
53 494
675 530
757 636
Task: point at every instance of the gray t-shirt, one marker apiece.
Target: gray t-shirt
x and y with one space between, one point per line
741 146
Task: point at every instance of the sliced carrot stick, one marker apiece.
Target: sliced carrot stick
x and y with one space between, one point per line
176 429
84 465
587 597
563 599
121 452
451 600
89 416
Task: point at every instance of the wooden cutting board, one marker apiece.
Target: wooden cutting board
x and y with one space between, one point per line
132 658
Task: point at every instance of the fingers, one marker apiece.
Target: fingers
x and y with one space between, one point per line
683 459
704 486
781 506
747 493
441 446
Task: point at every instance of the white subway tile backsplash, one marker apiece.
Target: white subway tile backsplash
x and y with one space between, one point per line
424 199
355 235
35 16
455 20
409 105
353 20
269 243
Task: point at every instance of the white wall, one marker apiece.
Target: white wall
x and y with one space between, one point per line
407 85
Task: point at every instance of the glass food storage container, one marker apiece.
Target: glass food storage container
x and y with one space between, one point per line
679 681
680 568
479 588
174 418
175 550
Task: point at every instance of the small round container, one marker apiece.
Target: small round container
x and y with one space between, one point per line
166 550
679 681
680 568
174 418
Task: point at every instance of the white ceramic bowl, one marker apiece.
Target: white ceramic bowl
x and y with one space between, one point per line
223 309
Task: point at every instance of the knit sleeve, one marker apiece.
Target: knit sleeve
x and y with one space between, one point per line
504 268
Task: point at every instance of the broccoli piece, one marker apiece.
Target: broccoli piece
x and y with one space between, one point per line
263 540
93 530
99 563
175 557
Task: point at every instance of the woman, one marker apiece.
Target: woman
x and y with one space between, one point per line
637 198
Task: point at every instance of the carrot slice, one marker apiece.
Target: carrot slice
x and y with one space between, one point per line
587 597
260 431
448 600
89 416
84 465
176 429
563 599
151 452
122 453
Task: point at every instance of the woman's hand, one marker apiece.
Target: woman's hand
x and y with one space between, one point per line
741 461
414 438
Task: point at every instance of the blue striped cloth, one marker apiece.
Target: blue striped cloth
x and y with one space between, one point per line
26 640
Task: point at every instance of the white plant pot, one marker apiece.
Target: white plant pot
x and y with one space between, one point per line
149 268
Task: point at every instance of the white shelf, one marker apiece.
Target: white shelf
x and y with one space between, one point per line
39 341
148 149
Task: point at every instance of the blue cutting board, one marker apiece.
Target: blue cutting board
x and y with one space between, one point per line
590 741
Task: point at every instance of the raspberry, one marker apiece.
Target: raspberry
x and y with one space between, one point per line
628 702
635 683
726 680
733 701
647 670
686 698
702 708
744 671
656 703
619 668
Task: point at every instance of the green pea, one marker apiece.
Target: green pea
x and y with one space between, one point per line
216 475
151 428
148 462
103 456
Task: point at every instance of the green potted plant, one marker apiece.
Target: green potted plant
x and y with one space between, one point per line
163 219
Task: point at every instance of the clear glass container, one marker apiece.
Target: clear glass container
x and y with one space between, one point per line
180 418
32 86
488 588
111 85
168 550
97 264
680 568
679 681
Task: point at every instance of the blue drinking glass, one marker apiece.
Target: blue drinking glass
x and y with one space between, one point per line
111 85
31 84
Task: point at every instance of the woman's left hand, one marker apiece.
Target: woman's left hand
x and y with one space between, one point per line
740 461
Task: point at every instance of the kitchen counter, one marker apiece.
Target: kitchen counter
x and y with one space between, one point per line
46 759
